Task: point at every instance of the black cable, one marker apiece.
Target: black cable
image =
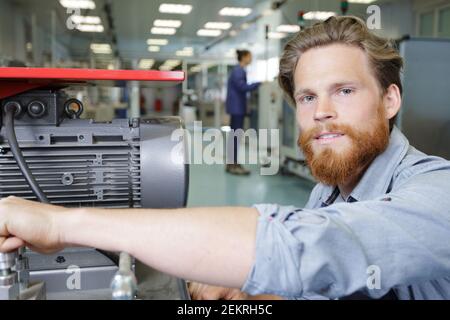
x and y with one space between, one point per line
15 149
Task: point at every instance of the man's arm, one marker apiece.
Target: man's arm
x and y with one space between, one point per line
401 238
209 245
240 81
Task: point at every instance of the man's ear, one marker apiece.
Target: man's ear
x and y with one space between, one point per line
392 101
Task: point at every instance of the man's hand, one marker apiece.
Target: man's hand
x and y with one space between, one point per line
29 223
199 291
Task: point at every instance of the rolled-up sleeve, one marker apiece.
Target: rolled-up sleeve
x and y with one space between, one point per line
332 251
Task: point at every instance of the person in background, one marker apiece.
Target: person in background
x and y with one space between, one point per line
236 104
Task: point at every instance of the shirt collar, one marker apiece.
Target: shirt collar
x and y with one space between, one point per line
378 175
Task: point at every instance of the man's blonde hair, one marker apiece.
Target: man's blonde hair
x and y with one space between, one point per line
383 56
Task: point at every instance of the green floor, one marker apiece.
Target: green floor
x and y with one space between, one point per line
210 185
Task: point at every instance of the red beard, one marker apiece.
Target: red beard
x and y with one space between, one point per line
335 168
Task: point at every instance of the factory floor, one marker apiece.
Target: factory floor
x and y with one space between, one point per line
210 185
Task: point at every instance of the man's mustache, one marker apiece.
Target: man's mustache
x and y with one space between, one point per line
307 136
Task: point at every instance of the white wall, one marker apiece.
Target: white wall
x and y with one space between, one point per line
397 19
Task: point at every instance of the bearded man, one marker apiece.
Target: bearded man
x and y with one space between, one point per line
380 211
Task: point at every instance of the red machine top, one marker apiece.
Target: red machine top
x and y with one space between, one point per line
17 80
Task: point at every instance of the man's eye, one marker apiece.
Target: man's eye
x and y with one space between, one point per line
346 91
306 99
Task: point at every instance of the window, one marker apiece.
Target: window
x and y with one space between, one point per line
426 24
444 23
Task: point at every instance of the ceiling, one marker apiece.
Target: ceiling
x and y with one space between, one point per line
132 20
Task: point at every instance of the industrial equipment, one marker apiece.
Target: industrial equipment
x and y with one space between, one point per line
49 154
292 158
270 99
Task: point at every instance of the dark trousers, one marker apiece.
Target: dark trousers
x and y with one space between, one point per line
236 122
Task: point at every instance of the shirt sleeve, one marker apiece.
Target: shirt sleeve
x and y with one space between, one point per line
397 239
239 80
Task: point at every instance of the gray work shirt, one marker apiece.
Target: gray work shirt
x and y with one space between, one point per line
392 232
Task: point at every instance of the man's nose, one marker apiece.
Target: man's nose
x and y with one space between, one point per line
324 110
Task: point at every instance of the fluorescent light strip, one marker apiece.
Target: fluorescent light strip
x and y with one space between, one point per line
318 15
153 48
101 48
167 23
186 52
167 31
157 42
361 1
146 63
288 28
78 4
172 62
276 35
218 25
235 11
90 28
165 68
181 53
208 33
175 8
196 68
86 19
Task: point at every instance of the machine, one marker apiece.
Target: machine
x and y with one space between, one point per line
275 113
270 99
292 158
49 154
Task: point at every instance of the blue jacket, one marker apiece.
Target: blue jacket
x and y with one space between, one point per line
237 89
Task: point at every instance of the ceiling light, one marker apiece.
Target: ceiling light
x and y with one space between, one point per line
101 48
175 8
182 53
318 15
167 23
146 63
186 52
157 42
172 62
218 25
276 35
159 30
153 48
169 64
196 68
288 28
85 19
90 28
233 33
235 11
78 4
208 33
165 67
361 1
